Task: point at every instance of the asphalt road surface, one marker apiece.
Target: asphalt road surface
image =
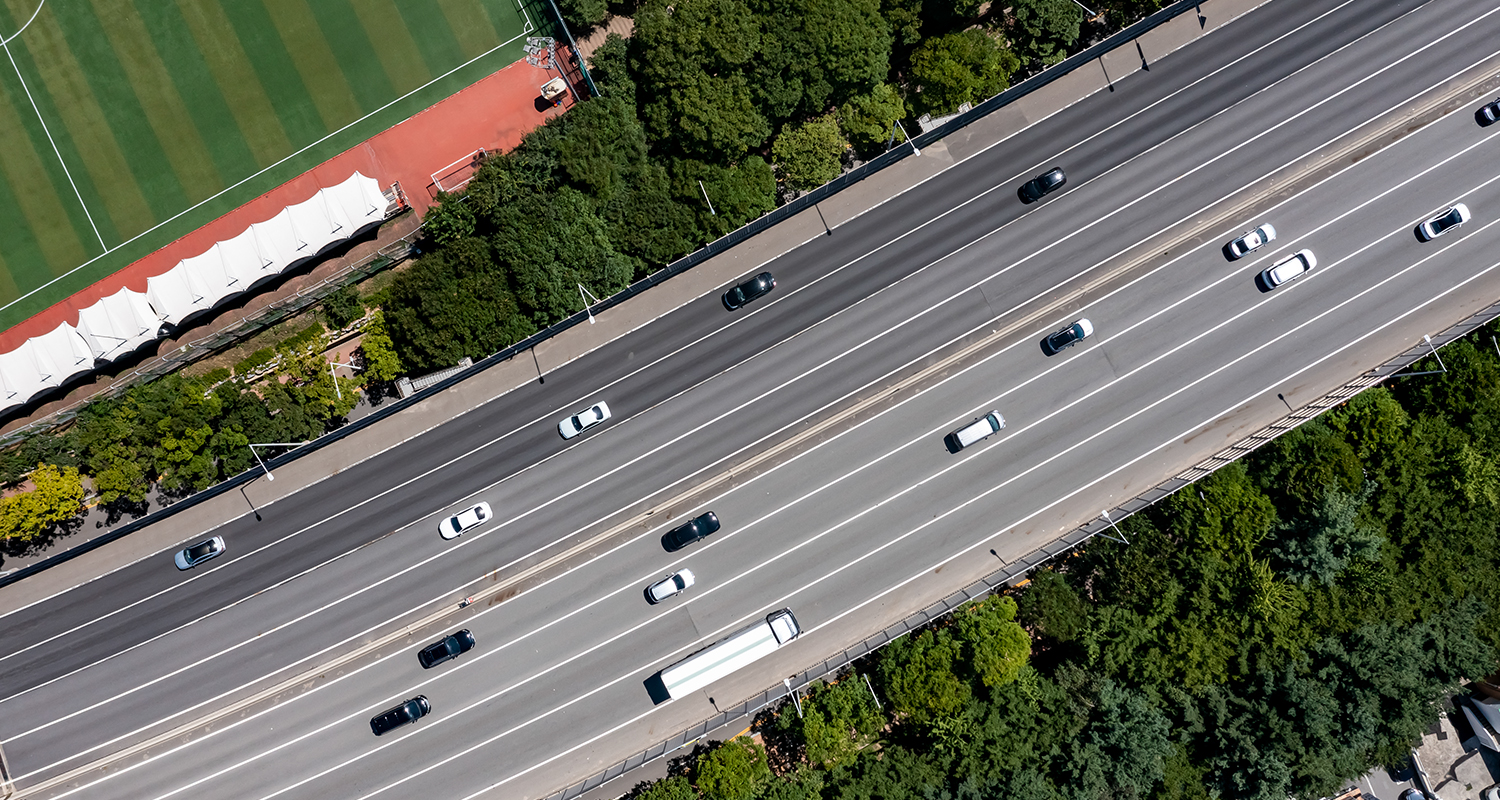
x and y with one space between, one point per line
859 514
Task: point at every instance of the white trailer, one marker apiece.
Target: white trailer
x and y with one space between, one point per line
731 654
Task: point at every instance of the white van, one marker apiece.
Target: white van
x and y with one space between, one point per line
978 429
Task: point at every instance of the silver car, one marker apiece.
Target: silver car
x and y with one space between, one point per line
1250 240
454 526
670 586
583 420
197 554
1288 268
1440 224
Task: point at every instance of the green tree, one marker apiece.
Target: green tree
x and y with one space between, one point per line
739 193
996 648
341 308
1123 751
958 68
837 720
918 673
815 54
56 496
610 68
1052 607
868 120
735 770
455 302
647 223
377 354
810 154
673 787
1336 535
689 58
582 15
553 243
599 146
1045 29
448 220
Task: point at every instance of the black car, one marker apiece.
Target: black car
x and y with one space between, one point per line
749 290
684 535
450 647
406 713
1067 337
1042 185
1488 114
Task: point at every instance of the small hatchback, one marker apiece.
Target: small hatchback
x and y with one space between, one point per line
449 647
454 526
1249 240
197 554
1042 185
404 714
583 420
670 586
749 290
1288 268
1440 224
1067 337
684 535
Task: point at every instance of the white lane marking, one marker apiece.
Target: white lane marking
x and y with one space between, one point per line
354 594
962 464
871 252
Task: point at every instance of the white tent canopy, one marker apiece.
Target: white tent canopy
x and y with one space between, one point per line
120 323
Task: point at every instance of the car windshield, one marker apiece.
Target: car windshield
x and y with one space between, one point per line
1447 219
201 550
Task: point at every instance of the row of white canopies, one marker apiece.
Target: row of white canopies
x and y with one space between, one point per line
118 324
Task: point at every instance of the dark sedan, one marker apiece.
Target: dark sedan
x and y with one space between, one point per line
684 535
749 290
449 648
1042 185
404 714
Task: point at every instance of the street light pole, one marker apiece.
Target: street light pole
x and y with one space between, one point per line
909 140
335 377
263 466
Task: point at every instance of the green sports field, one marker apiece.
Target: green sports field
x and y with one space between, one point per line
126 123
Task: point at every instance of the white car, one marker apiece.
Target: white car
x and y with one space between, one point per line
670 586
1288 268
1439 225
583 420
454 526
197 554
1249 241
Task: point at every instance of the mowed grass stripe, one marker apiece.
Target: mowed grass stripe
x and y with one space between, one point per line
235 83
471 26
195 85
72 114
166 113
406 66
291 99
507 16
430 30
355 53
41 241
122 110
327 88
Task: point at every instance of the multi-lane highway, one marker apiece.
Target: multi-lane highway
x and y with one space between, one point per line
837 495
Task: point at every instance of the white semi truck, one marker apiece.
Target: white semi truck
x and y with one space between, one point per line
730 655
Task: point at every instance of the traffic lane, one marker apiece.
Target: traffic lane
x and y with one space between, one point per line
33 671
1277 359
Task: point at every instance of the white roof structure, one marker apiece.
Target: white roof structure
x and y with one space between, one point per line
118 324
